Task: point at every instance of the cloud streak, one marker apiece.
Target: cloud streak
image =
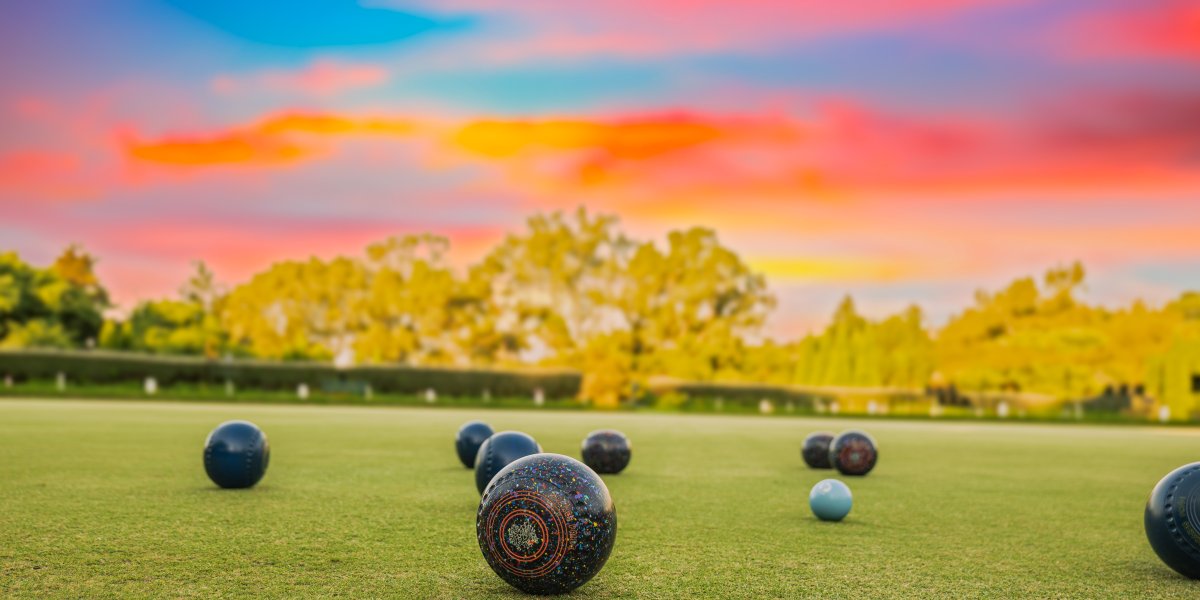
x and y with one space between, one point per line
277 139
320 78
1094 141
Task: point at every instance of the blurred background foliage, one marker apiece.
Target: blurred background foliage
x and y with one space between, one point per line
575 291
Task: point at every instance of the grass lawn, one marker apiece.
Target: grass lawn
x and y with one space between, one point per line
104 498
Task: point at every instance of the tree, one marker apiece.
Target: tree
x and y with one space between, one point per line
201 288
579 292
687 310
417 311
188 325
547 288
856 351
60 306
297 310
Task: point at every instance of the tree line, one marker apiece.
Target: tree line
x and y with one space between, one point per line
574 290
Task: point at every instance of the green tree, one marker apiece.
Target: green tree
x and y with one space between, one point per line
60 306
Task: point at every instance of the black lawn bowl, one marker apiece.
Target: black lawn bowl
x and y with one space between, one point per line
470 437
606 451
853 453
236 454
815 450
1173 520
497 451
546 524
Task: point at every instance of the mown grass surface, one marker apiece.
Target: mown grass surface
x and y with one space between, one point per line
101 498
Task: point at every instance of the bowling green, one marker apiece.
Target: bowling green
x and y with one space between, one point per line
109 499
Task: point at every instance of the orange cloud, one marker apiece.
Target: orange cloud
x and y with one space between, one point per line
234 148
1093 142
335 125
276 139
323 77
632 139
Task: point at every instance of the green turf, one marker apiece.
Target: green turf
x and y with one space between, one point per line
103 498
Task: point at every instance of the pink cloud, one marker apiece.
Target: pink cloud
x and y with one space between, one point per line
1151 30
548 29
321 78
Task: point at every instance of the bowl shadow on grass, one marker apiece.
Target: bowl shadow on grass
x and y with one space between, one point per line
498 588
1155 569
847 522
216 488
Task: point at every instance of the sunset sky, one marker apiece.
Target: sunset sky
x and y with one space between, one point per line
898 151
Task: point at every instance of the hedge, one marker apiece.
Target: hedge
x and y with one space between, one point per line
106 367
802 398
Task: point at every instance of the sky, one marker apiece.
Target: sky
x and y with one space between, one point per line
901 152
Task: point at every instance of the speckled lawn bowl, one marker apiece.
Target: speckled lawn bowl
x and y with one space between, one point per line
606 451
546 524
853 453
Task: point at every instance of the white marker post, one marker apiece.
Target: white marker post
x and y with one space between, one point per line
539 397
430 396
151 386
765 407
61 381
302 391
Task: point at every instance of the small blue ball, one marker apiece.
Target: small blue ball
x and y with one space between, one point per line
830 500
236 454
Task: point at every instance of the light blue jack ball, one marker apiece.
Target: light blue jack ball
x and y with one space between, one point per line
830 500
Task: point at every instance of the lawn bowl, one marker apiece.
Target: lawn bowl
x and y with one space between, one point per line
606 451
468 440
1172 520
497 451
830 500
546 524
236 454
853 453
815 450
